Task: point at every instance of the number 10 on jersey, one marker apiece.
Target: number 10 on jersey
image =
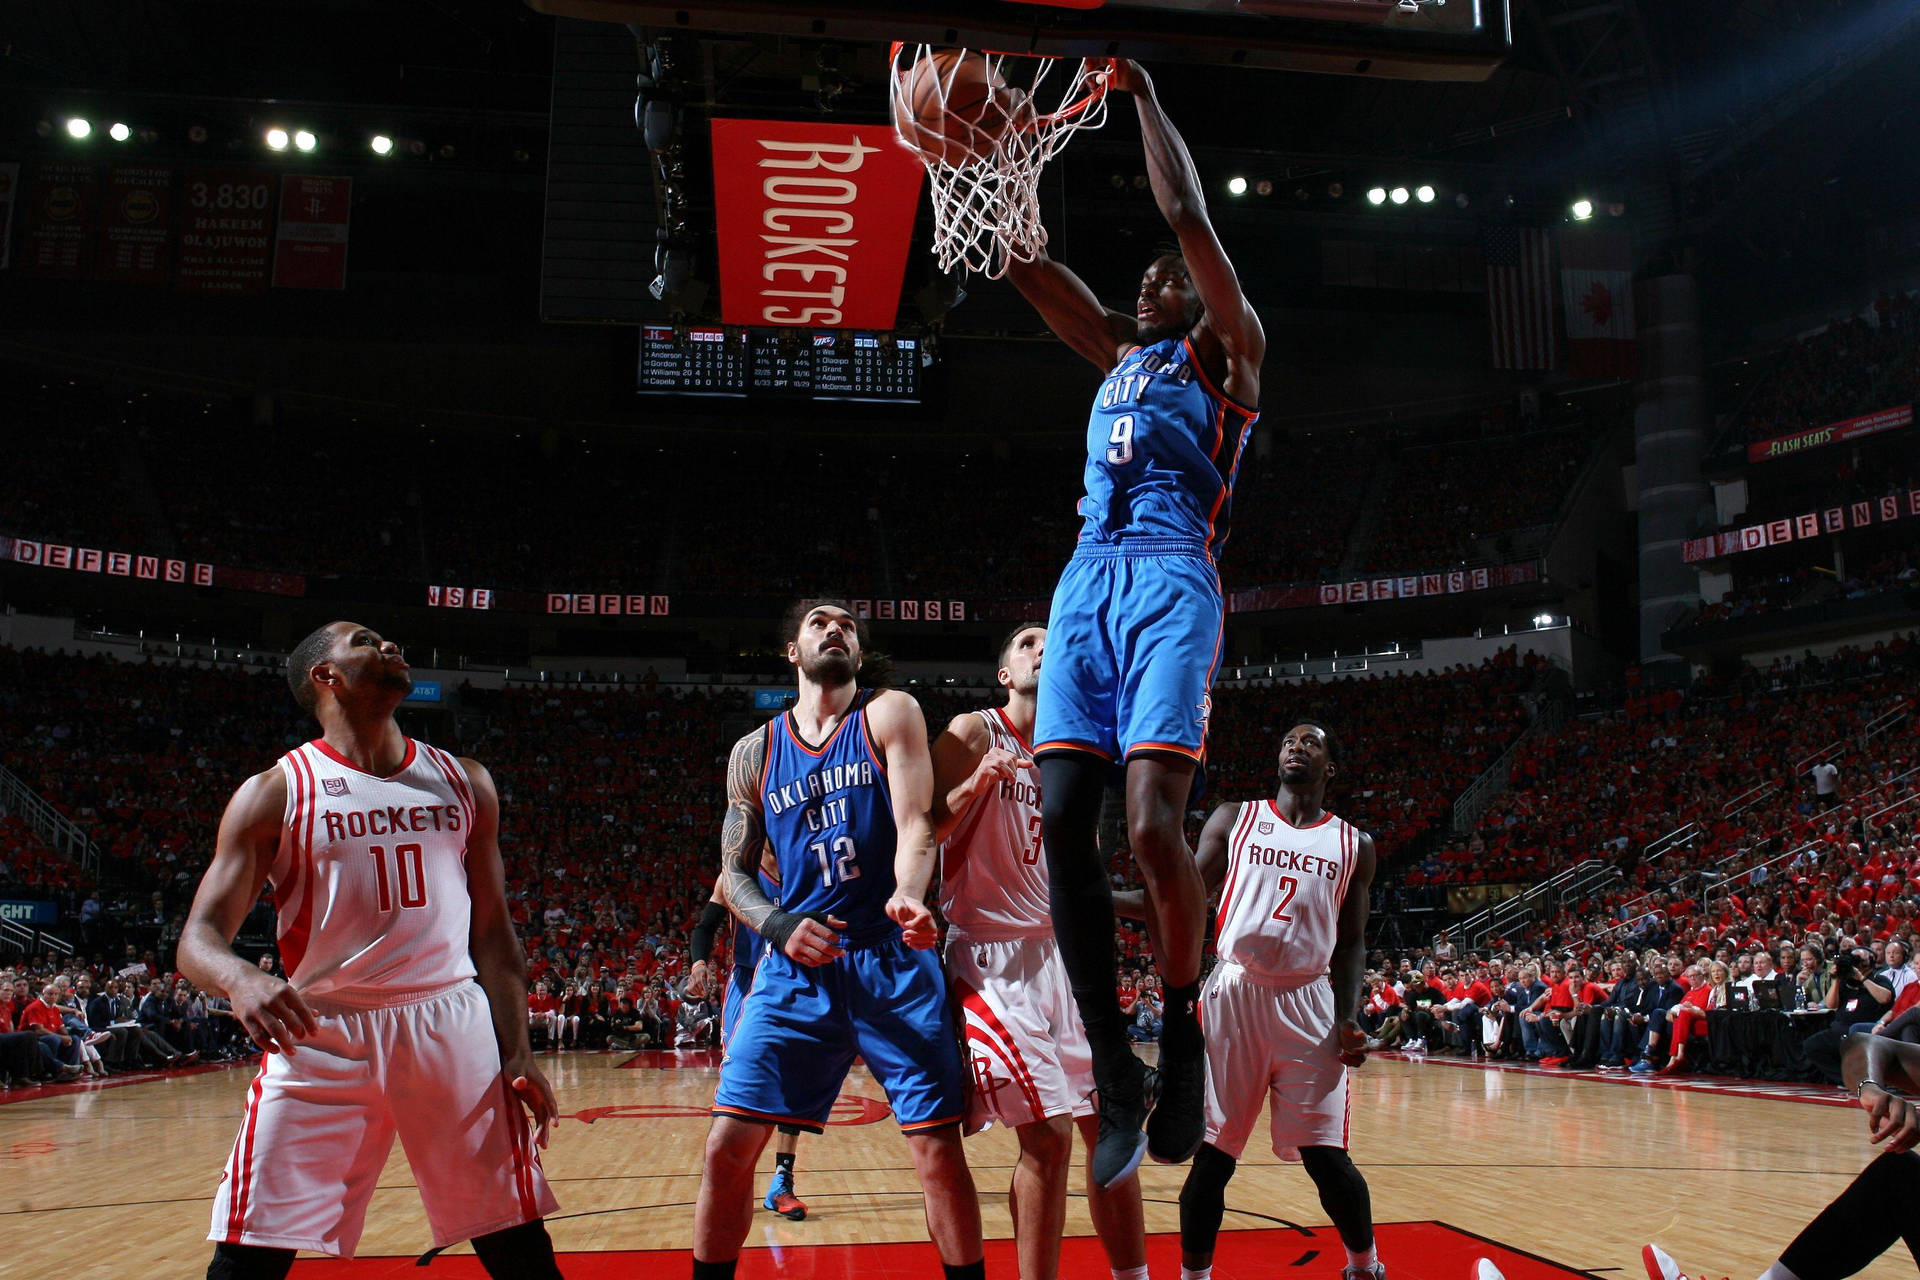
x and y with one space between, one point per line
837 861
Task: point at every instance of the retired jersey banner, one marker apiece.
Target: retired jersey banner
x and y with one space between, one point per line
226 230
136 203
310 250
1871 424
1596 289
60 229
9 197
814 222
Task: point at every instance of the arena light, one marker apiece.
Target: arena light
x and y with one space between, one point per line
1582 210
1398 195
119 132
382 145
305 141
1542 619
277 138
1237 185
1377 195
1424 195
79 128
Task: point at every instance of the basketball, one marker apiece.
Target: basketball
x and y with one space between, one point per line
953 105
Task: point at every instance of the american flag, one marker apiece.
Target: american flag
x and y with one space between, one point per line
1521 319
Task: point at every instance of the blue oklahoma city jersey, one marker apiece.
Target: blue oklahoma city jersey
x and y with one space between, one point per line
1163 446
829 818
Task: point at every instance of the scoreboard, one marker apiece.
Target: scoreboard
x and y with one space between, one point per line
811 364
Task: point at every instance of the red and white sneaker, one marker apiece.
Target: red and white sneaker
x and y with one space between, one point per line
1660 1264
1483 1269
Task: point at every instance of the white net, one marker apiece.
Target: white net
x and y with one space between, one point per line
976 121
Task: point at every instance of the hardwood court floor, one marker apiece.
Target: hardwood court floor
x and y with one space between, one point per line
1576 1172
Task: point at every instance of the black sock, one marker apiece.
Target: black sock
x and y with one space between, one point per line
1862 1223
966 1270
714 1270
249 1262
1180 1022
783 1160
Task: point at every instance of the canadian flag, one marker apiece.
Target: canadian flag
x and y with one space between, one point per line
1596 285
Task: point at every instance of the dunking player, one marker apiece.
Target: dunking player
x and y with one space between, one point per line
1031 1068
1282 1006
1136 625
840 787
781 1196
404 1009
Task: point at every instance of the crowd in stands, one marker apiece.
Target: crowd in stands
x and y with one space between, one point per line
1788 588
163 472
1851 367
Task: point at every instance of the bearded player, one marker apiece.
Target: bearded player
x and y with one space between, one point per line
840 788
1031 1068
1282 1006
404 1008
1136 625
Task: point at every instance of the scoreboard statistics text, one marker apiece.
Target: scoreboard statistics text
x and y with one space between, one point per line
798 363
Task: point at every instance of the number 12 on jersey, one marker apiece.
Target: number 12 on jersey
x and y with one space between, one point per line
837 863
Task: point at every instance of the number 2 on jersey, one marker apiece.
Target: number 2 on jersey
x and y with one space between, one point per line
1120 441
1288 887
841 867
407 869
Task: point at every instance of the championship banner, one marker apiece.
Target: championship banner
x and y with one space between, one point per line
814 222
226 231
136 205
310 249
1871 424
9 196
1811 524
59 230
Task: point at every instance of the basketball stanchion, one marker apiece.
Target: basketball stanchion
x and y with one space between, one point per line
974 119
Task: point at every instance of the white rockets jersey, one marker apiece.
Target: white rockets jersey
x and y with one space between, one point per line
370 881
993 868
1280 904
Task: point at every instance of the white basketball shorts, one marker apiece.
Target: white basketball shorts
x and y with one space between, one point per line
1027 1050
1273 1043
321 1120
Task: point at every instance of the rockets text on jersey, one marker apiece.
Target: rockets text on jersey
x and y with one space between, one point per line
370 879
993 869
829 817
1163 450
1280 904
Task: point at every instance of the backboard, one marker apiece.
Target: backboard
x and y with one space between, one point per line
1402 39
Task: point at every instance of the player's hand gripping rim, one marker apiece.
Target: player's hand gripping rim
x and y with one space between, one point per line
1890 1118
1355 1044
273 1013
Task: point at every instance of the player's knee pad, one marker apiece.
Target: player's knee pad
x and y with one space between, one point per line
249 1262
524 1252
1203 1199
1343 1191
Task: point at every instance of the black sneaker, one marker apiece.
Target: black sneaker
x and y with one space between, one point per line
1179 1122
1123 1111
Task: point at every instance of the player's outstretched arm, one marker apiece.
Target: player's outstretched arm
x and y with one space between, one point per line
1347 969
272 1011
966 765
1182 200
900 732
1070 309
806 939
498 959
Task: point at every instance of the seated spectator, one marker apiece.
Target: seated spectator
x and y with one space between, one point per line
1690 1017
696 1025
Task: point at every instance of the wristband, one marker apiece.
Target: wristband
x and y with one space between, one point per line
1857 1089
779 926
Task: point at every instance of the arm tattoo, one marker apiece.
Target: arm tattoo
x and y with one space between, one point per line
742 833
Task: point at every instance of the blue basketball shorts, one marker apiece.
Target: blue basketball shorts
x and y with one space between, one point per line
800 1029
739 982
1133 641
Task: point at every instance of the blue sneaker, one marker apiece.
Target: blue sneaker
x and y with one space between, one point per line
1642 1067
780 1197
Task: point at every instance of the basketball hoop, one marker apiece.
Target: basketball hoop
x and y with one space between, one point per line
974 120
